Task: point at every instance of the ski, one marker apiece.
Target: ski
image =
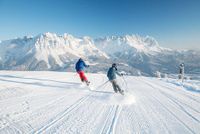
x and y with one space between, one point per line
121 92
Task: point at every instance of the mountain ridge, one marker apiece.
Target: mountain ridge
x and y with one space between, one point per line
135 54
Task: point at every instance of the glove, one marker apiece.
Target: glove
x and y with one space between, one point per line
88 65
122 74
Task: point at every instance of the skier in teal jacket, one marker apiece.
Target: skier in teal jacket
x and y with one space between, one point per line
111 74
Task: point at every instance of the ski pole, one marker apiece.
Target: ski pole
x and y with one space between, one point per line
102 84
125 83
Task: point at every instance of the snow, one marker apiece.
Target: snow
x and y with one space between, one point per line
56 102
48 45
109 98
49 51
128 43
186 84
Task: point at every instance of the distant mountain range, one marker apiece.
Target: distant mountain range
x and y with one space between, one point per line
134 54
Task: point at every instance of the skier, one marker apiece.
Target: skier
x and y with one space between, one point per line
111 74
181 71
80 65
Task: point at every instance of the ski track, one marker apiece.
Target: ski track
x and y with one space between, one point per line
153 86
11 127
111 120
61 115
160 107
175 100
158 87
73 123
182 92
140 122
175 116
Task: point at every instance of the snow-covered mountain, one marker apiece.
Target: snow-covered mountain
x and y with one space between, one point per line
47 52
128 44
135 54
145 54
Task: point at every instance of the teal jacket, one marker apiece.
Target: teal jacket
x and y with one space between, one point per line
111 74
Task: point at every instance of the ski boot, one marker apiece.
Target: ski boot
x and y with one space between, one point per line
115 90
121 92
87 83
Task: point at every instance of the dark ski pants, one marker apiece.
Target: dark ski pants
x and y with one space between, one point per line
116 87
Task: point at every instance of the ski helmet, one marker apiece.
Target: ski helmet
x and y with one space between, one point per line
114 65
182 64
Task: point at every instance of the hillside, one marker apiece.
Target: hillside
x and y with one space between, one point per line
56 102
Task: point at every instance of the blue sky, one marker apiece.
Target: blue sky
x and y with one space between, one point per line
174 23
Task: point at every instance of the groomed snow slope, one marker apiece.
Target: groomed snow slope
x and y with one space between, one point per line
56 102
